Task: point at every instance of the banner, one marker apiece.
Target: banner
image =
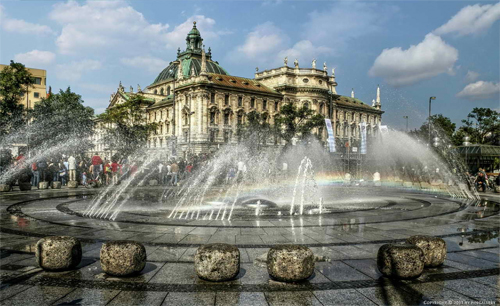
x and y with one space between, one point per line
331 138
363 138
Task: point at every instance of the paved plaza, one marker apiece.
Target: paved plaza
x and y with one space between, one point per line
345 243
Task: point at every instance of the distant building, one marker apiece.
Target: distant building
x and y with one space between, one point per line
39 89
199 106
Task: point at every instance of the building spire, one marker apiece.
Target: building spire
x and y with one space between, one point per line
377 102
203 62
352 93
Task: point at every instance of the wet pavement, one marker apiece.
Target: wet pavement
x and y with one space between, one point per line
348 240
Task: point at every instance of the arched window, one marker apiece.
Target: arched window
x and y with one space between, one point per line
161 91
168 91
212 117
321 108
240 118
226 118
155 92
276 106
306 105
252 103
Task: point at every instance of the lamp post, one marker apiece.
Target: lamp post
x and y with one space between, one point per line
173 142
406 117
466 143
189 133
430 99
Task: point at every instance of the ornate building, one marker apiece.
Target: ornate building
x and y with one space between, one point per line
198 104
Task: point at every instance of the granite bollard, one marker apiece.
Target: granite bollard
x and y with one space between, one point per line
72 184
290 263
5 187
434 249
122 257
56 185
217 262
402 261
58 253
43 185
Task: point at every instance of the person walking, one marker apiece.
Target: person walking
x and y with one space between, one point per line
161 173
35 178
72 168
107 172
114 172
174 168
96 166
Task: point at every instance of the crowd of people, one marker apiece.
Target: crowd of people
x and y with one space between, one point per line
482 182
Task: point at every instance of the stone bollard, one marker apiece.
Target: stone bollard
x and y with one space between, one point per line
43 185
497 189
407 184
153 182
72 184
217 262
290 263
5 187
24 186
122 258
56 185
401 261
58 253
434 249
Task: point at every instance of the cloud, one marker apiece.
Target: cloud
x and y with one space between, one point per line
21 26
480 90
472 19
471 76
177 37
429 58
74 70
104 26
35 58
304 49
264 39
148 63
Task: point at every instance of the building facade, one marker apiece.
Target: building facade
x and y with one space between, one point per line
198 105
38 90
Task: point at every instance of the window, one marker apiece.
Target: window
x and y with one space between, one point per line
226 118
240 118
168 91
252 103
36 94
161 142
226 99
161 128
212 98
212 136
306 105
321 108
264 117
240 101
212 117
276 105
227 136
305 80
168 128
37 81
185 136
264 104
162 91
186 119
155 92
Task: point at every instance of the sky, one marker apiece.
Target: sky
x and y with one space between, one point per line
412 49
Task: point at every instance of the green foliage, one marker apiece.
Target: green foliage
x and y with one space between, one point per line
126 129
62 120
293 121
482 126
15 80
440 124
255 132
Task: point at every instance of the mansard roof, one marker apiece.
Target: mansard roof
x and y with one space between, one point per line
240 83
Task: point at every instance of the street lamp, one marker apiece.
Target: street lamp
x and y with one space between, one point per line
466 143
430 99
406 117
174 142
189 131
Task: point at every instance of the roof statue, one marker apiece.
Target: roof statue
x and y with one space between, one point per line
131 88
324 67
296 63
286 61
352 93
314 63
257 69
120 87
373 103
178 51
139 88
209 51
333 71
378 94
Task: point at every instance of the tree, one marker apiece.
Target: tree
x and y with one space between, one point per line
62 120
292 121
15 80
255 132
125 126
440 124
482 126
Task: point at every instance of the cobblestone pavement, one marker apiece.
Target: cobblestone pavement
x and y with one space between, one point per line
348 240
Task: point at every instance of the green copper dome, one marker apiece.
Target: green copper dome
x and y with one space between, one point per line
191 59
